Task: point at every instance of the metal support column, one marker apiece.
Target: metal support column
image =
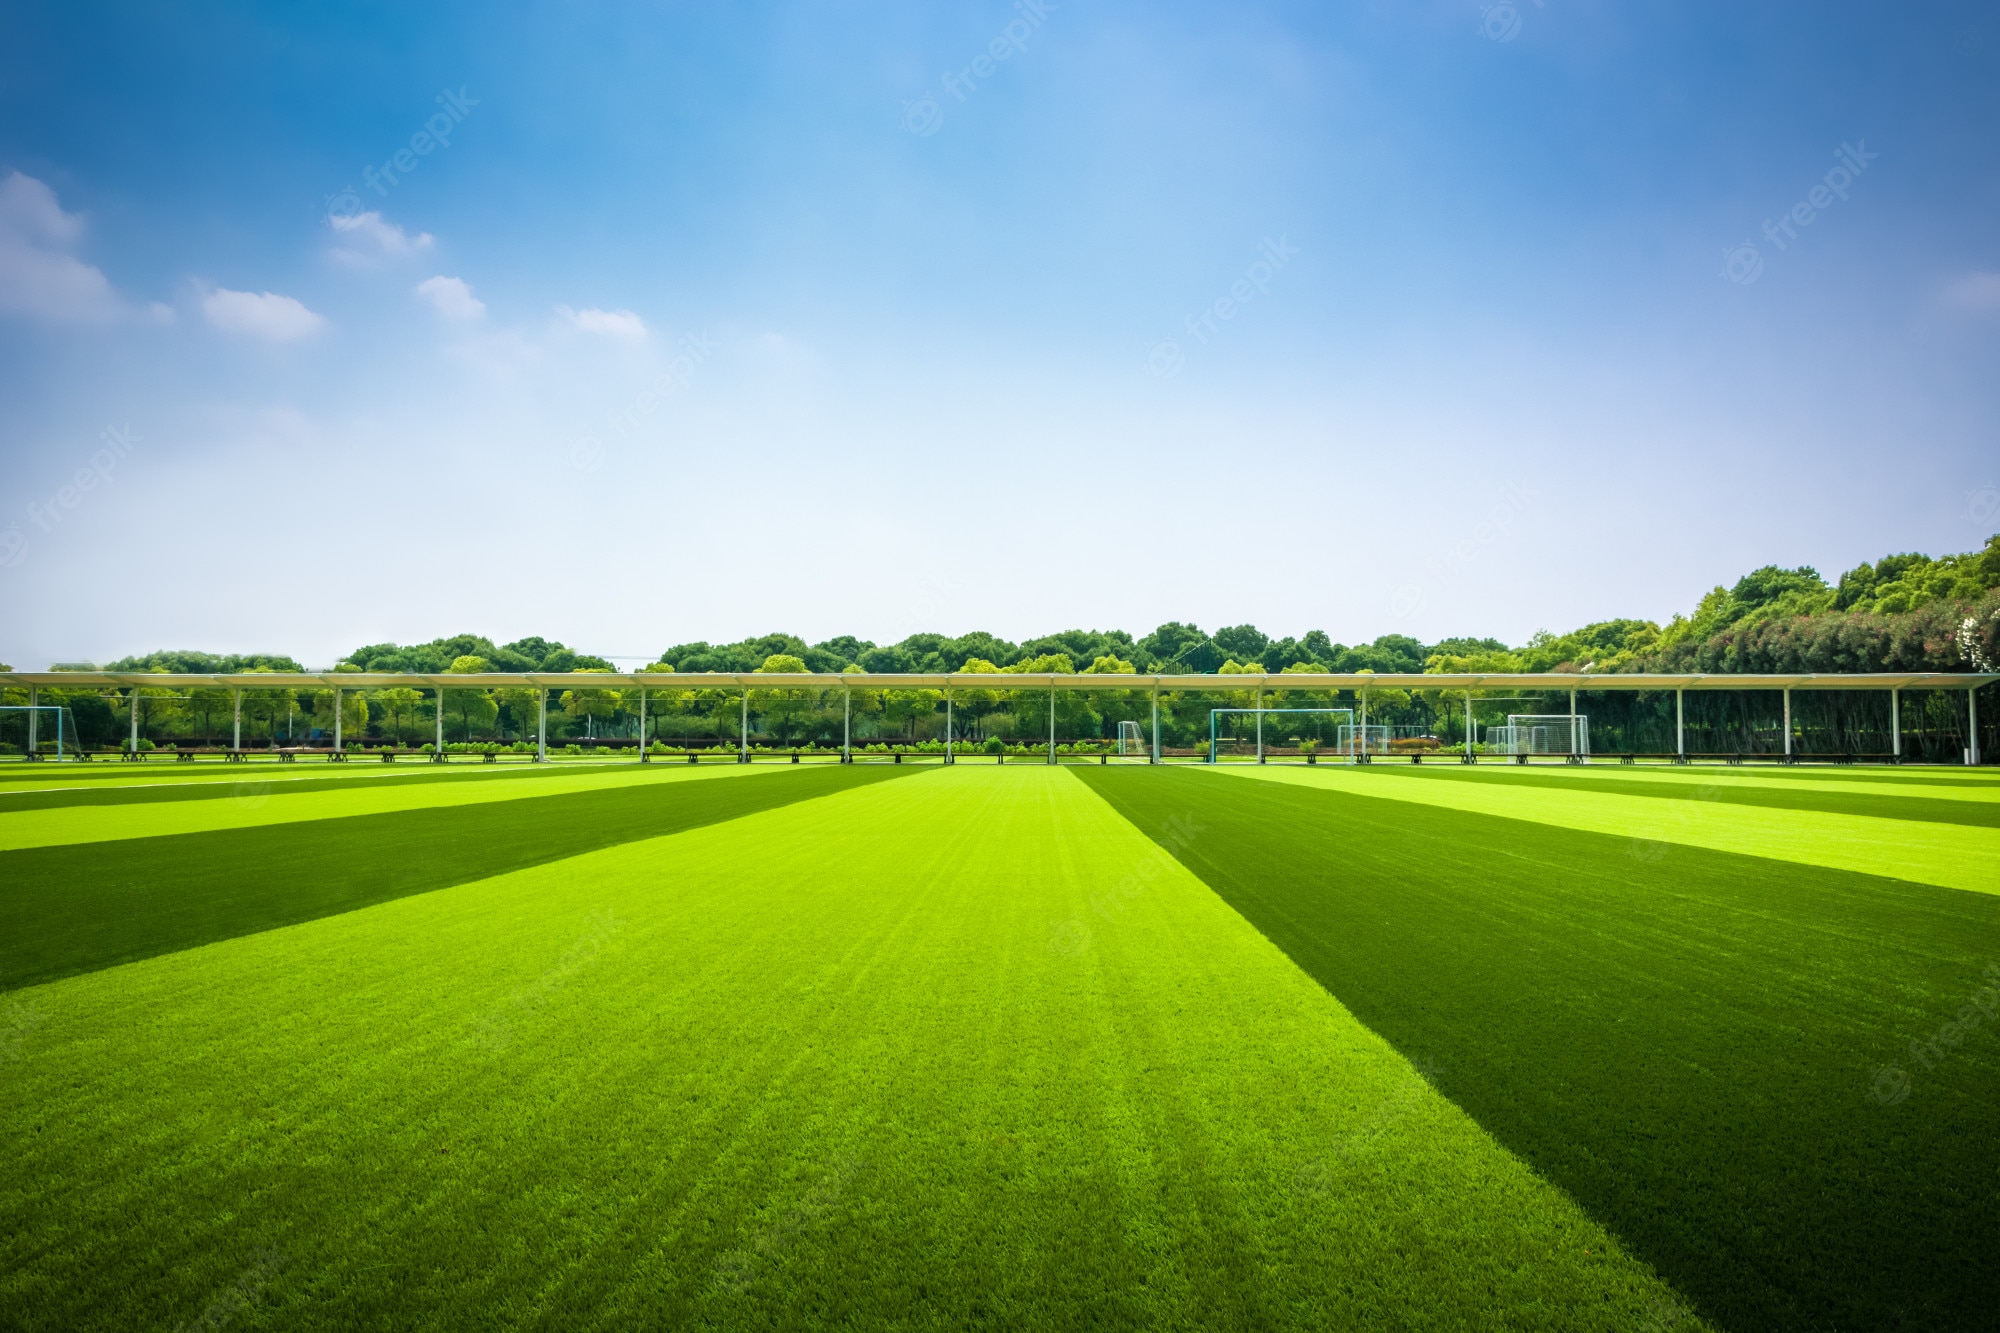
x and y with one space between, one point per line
1260 724
236 720
1156 722
947 725
337 704
1468 728
1896 723
1788 723
35 720
438 757
132 706
1361 750
1574 749
743 755
1972 718
1680 726
542 726
643 756
1052 719
847 726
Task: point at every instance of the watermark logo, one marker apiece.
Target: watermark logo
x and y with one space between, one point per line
345 204
586 453
1500 22
1165 358
250 795
1409 600
1069 938
923 116
1742 264
1983 505
1891 1085
13 546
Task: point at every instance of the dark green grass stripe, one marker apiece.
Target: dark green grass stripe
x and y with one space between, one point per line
1927 809
1708 1051
263 784
71 909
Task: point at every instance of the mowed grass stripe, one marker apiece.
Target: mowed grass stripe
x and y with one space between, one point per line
1693 1046
77 908
1694 787
1951 855
966 1050
250 803
277 780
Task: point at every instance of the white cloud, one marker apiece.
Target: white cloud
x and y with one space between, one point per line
38 275
1974 291
622 323
451 296
371 237
261 315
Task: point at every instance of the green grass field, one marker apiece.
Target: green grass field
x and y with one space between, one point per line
878 1046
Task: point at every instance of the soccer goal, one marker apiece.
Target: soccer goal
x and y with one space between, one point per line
34 712
1541 733
1131 741
1364 740
1259 731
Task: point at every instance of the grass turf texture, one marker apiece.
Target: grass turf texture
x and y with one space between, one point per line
206 788
74 908
1949 854
252 801
1696 1046
1950 809
891 1058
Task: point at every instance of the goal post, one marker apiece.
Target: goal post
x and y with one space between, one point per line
31 711
1131 740
1277 727
1527 734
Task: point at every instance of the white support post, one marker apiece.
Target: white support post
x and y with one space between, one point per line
337 704
132 706
1788 722
1895 723
1361 751
947 724
236 720
1156 722
439 756
643 756
1573 748
1052 719
542 727
35 719
1468 726
847 726
1260 724
1680 725
743 735
1972 718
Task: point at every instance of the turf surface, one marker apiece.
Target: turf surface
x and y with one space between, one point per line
1877 804
1712 1053
1950 854
73 908
961 1051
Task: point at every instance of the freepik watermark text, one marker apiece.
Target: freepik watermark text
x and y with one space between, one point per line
436 133
1744 264
924 116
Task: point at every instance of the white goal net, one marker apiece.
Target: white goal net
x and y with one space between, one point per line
1131 740
1541 733
1364 740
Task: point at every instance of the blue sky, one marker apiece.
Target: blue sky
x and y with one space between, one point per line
700 320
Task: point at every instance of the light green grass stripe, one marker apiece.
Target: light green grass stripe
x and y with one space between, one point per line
965 1049
1951 855
253 805
1831 780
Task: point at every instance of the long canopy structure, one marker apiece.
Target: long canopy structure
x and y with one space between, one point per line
746 682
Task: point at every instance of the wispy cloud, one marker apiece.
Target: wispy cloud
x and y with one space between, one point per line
261 315
620 323
39 276
1978 292
369 237
451 297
